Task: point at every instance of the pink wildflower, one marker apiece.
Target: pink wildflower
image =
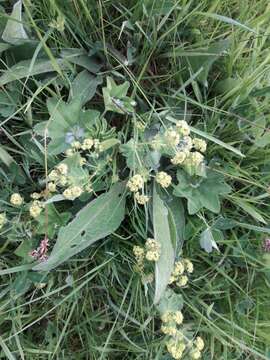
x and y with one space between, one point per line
41 252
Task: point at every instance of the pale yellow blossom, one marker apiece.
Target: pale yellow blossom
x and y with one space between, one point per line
16 199
163 179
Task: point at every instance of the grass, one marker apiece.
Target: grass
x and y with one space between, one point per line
94 306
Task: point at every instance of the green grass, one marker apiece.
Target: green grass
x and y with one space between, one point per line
94 306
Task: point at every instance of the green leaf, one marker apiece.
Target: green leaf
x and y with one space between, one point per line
115 98
5 157
227 20
14 32
248 208
134 155
95 221
50 221
81 58
206 59
197 193
21 69
84 86
76 173
24 249
263 141
207 241
67 123
162 235
177 219
170 302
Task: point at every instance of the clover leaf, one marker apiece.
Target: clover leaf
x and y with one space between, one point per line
116 99
203 193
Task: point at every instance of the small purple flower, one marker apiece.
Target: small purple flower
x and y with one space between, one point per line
266 245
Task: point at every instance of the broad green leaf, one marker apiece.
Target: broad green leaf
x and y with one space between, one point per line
162 235
95 221
84 86
170 302
24 249
197 193
134 154
50 221
207 241
76 173
14 32
21 69
81 58
116 99
67 123
177 217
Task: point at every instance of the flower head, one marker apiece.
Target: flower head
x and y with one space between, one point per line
87 144
3 220
141 199
182 281
72 192
194 159
135 183
199 343
51 187
152 250
62 168
35 209
199 144
172 137
182 127
188 266
16 199
195 354
163 179
179 158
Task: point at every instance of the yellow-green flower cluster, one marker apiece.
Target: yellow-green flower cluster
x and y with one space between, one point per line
196 350
152 248
176 348
172 137
87 145
179 158
139 254
182 269
163 179
16 199
141 199
135 183
150 252
73 192
35 208
183 128
3 220
194 158
199 144
170 320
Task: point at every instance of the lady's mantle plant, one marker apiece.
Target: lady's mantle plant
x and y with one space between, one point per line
93 168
